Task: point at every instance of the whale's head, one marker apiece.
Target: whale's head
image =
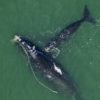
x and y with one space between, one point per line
24 43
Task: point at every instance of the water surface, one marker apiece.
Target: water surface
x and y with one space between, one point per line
40 20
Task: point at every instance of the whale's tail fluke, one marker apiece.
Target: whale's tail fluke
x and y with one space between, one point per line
87 15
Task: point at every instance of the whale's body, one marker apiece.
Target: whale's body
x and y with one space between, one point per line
46 66
64 34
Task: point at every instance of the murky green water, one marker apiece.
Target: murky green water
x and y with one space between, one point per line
40 20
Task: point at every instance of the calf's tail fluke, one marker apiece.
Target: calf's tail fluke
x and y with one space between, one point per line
87 15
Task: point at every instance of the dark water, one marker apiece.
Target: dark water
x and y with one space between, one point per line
40 20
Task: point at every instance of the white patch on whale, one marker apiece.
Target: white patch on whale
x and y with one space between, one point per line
33 47
49 76
33 52
23 43
29 47
57 69
17 38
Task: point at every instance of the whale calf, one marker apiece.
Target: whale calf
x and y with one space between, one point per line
46 66
68 31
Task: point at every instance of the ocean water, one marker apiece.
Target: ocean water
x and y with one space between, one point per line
40 20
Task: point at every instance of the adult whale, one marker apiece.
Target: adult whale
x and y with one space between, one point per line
69 30
47 67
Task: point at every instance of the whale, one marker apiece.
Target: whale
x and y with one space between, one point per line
64 34
47 67
40 61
